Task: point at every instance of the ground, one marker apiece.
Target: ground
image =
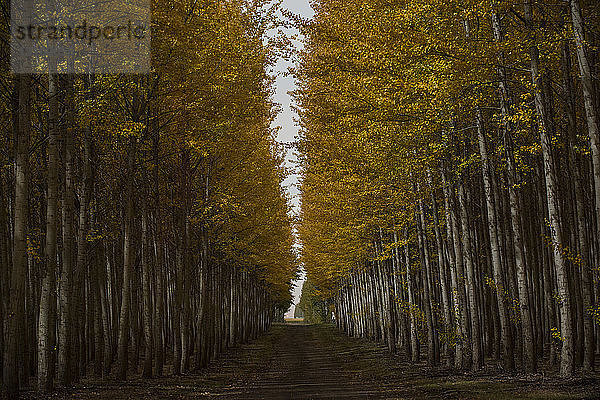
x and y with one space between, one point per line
295 361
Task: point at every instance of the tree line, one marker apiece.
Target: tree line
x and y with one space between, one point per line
451 177
143 225
311 307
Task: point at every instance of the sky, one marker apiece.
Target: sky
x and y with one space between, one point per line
286 120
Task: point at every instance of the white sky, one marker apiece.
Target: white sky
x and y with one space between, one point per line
286 119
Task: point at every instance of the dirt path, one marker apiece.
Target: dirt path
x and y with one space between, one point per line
316 362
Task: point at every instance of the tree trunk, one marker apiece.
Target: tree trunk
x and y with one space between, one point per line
47 318
414 333
426 272
588 100
81 266
562 279
444 287
464 350
14 352
147 311
477 354
122 346
592 124
584 248
454 256
530 358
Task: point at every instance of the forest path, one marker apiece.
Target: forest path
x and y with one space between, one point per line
295 361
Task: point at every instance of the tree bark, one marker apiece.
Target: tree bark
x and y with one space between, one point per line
477 353
47 318
14 352
562 279
147 311
426 272
122 346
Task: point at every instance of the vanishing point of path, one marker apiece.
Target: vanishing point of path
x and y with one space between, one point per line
316 362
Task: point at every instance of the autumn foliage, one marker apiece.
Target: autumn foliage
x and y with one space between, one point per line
450 177
143 222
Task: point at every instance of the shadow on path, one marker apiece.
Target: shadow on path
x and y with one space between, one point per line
300 361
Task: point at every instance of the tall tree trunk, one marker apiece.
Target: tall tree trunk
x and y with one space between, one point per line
506 337
546 130
159 260
95 288
583 236
47 318
592 124
185 299
588 100
66 321
103 280
454 256
14 352
464 349
530 358
4 262
444 287
122 346
146 300
414 334
426 272
179 263
477 353
82 265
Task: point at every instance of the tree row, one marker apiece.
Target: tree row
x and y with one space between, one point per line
143 225
451 177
